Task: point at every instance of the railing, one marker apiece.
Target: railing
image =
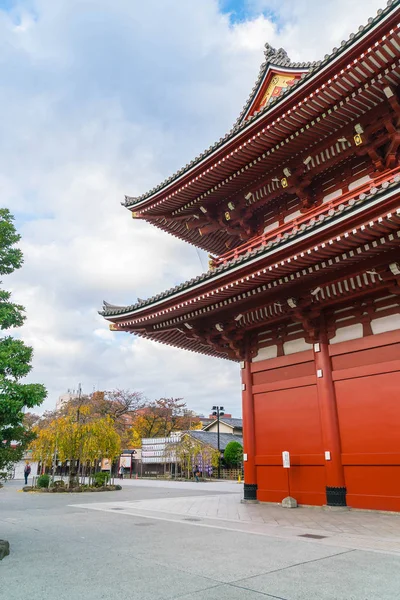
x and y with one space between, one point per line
278 233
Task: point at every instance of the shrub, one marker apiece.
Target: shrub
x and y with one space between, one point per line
58 484
233 454
100 478
43 481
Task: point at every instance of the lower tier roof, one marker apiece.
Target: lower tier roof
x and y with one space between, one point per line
344 254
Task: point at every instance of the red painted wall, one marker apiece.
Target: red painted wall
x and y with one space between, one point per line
366 376
367 384
287 418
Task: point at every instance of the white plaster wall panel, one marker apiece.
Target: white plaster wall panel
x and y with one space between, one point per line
265 353
345 334
292 216
383 324
358 182
296 346
273 225
331 196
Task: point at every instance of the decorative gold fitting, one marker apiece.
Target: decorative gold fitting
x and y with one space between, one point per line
284 182
200 233
358 139
135 215
228 215
211 264
113 327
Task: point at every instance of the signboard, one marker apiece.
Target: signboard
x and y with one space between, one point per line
105 464
125 461
286 460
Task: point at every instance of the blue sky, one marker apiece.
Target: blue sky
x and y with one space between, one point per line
239 9
101 98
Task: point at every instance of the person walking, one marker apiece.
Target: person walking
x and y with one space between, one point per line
27 472
121 472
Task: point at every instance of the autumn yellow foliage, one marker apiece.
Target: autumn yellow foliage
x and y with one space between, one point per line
76 437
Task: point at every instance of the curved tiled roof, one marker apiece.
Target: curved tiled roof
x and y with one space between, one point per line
211 438
282 58
312 225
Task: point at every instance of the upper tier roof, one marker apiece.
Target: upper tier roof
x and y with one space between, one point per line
294 112
278 59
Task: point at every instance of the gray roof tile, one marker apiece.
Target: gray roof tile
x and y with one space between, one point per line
211 438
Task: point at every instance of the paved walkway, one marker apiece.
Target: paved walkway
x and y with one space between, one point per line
354 529
219 485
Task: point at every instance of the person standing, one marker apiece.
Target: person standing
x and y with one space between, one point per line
121 472
27 472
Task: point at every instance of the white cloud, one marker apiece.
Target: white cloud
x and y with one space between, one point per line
101 98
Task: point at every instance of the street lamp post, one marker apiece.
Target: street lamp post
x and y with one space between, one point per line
218 411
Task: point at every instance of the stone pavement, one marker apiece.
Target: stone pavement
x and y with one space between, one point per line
339 527
131 546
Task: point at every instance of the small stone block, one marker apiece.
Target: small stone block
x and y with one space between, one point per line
4 549
289 502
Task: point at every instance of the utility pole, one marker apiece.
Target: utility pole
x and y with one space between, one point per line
218 411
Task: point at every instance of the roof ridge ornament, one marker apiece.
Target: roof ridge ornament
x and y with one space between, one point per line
108 306
276 57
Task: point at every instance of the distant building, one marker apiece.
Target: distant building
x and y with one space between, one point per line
64 398
158 455
163 456
226 425
210 438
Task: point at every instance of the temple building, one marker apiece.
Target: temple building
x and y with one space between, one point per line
299 208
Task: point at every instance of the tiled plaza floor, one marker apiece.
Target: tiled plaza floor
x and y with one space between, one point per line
363 530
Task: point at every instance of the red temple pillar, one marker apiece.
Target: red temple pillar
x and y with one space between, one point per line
335 482
249 437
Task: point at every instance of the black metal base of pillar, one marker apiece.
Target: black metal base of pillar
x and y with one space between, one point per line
250 491
336 496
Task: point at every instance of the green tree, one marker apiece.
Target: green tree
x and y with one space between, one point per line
15 359
233 454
